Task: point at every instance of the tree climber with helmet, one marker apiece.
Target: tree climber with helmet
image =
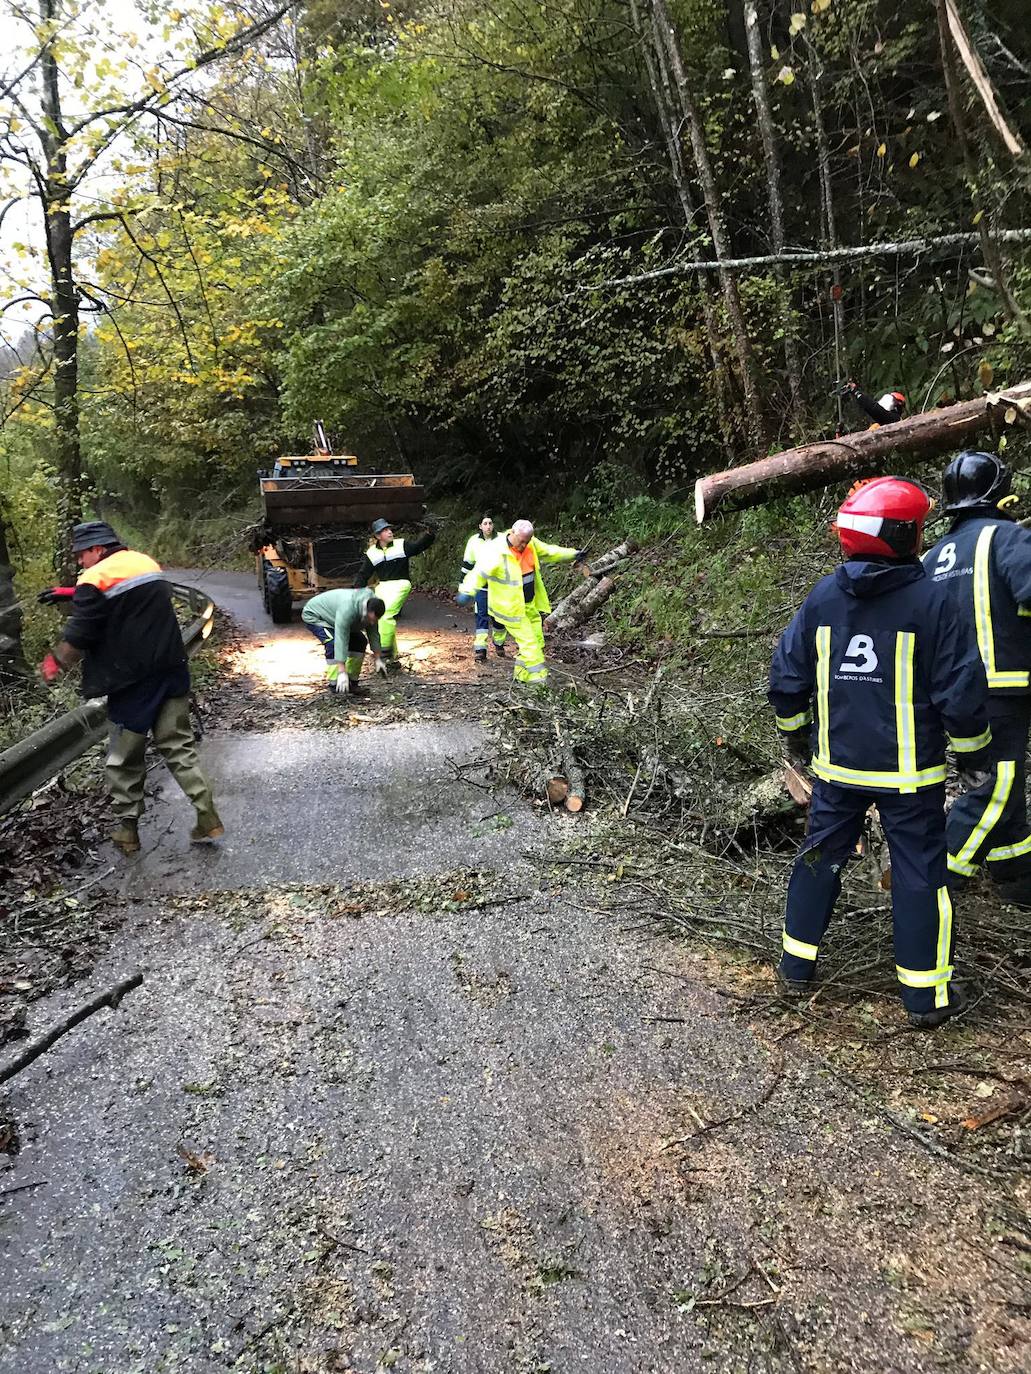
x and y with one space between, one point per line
386 560
868 679
884 411
983 566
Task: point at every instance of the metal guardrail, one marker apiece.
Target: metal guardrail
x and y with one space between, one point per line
40 756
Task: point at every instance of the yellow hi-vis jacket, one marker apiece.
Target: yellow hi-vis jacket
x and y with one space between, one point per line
498 569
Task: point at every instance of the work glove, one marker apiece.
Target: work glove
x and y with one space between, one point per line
464 599
381 665
50 668
50 596
343 685
579 557
798 749
972 778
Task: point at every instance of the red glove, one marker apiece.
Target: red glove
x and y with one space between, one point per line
50 668
51 595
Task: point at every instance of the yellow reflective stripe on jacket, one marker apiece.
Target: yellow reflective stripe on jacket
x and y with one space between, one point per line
889 782
969 744
823 692
799 948
905 716
963 861
983 615
791 723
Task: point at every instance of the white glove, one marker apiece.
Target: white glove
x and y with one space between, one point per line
343 683
381 665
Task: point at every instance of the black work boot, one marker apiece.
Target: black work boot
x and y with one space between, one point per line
959 1001
355 689
793 988
499 649
1017 892
480 655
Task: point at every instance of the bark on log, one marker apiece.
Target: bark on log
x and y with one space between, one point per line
858 455
605 562
583 607
577 790
35 1048
541 781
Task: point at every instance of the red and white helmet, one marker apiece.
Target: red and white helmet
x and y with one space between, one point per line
892 400
885 515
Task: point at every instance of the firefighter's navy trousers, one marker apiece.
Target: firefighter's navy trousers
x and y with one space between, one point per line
989 824
914 826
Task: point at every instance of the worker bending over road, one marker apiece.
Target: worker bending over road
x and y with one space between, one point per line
983 566
509 569
386 560
873 670
345 621
486 628
124 628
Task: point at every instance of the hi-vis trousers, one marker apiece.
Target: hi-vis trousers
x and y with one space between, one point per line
486 626
394 595
528 634
356 646
989 824
914 826
173 738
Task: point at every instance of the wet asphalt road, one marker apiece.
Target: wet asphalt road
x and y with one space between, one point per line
354 1129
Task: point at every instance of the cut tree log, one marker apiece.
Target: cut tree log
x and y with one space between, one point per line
862 454
583 607
577 790
540 781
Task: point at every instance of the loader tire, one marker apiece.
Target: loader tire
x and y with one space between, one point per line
278 600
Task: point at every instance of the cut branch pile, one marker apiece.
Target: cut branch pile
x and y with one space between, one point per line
593 591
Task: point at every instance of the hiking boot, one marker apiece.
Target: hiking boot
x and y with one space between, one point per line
126 837
1017 892
499 649
793 988
208 827
959 1002
480 655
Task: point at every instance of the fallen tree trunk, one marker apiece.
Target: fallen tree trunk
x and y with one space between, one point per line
861 454
584 607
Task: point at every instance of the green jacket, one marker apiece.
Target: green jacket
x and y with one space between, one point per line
498 569
341 610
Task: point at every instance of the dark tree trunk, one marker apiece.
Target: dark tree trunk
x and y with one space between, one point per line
12 658
64 304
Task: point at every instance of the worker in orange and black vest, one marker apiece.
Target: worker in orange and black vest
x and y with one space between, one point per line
124 629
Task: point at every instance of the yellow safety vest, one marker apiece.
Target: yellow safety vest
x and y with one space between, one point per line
498 569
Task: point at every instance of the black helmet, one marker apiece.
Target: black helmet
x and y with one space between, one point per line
975 481
92 534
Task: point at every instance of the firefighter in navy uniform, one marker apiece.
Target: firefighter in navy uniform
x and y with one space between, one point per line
868 678
983 565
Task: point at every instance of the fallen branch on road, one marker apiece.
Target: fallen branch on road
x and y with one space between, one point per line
35 1048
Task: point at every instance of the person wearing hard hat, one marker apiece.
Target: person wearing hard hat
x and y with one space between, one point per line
983 565
884 411
387 561
486 628
869 681
123 627
509 569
